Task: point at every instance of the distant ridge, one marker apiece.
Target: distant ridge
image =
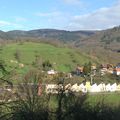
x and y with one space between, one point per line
109 39
61 35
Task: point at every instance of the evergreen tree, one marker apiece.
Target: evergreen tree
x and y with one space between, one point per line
87 68
46 65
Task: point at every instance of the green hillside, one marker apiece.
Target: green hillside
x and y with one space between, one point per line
62 59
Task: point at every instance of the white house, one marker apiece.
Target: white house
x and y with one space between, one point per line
51 72
101 87
94 88
108 87
83 88
113 87
118 71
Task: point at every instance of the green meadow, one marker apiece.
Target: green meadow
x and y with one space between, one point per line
62 58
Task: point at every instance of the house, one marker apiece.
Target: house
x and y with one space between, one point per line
94 88
110 70
106 68
101 87
51 72
67 88
79 70
88 86
75 88
52 88
118 87
109 66
83 88
113 87
117 71
108 87
103 71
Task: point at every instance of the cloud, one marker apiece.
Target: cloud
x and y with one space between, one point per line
100 19
20 19
4 23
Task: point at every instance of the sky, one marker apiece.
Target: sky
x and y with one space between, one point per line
59 14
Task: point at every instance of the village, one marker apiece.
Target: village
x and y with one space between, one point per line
103 69
88 86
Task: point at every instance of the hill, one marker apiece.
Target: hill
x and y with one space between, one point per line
109 39
49 34
104 44
62 58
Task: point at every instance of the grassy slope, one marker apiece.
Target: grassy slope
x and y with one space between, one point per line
66 59
106 98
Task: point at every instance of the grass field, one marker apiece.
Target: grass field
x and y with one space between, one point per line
106 98
62 59
110 99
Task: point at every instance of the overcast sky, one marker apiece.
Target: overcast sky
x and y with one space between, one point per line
59 14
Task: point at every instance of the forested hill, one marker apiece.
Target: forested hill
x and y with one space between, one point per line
104 44
108 39
48 34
